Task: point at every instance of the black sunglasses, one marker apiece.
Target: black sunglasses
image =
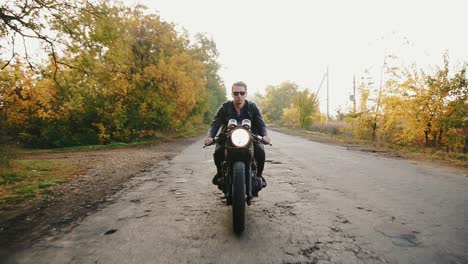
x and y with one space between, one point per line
237 93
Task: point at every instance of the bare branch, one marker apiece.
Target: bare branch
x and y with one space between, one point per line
13 53
24 18
26 54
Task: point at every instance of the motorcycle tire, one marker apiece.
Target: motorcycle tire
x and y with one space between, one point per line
238 197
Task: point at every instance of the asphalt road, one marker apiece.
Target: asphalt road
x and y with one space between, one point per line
323 204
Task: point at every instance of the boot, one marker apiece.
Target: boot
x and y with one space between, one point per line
215 179
264 183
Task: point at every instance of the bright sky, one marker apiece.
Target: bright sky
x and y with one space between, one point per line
266 42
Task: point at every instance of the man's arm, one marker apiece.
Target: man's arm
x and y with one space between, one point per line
262 130
217 122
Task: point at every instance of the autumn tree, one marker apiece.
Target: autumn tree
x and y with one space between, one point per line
430 107
418 107
124 75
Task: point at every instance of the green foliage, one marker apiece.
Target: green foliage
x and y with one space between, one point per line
206 51
276 99
11 177
7 152
287 105
300 112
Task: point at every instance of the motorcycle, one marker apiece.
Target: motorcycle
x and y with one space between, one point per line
239 181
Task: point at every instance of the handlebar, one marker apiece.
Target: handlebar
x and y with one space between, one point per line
255 137
260 139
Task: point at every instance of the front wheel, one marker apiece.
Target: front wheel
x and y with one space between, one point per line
238 197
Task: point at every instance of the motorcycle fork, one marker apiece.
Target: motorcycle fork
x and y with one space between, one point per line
248 182
227 177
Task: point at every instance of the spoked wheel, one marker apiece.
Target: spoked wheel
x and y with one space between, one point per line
238 197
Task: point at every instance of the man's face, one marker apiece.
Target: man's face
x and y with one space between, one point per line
238 94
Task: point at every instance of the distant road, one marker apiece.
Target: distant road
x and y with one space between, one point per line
323 204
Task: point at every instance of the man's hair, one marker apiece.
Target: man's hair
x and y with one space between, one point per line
240 83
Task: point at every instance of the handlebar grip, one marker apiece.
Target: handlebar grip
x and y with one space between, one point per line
215 140
260 138
212 143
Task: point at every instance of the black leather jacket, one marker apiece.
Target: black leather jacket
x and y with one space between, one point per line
249 111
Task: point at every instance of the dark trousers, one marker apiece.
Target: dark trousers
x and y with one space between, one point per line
259 153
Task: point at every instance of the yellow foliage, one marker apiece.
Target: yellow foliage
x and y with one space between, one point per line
104 136
291 117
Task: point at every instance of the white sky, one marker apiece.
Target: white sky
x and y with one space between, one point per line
266 42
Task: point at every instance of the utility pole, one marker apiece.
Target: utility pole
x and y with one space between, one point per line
354 93
316 93
374 127
328 93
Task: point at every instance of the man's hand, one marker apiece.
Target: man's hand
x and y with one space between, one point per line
266 139
208 140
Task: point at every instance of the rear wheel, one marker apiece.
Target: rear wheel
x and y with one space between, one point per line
238 197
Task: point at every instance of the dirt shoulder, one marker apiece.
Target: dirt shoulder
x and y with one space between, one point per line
456 167
103 174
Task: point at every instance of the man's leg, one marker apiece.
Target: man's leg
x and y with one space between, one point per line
218 157
259 153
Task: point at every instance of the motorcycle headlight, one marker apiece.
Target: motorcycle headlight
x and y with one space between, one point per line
240 137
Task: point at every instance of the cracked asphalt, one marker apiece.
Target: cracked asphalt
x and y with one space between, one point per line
323 204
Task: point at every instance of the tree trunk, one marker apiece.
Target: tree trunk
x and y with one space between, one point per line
374 128
439 138
427 132
465 148
426 137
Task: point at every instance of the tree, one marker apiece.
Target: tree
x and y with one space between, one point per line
23 20
276 99
418 108
362 121
303 106
437 106
206 51
122 74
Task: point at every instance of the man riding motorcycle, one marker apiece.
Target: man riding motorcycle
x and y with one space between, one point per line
239 108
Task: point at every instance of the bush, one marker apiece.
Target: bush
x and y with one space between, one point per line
333 127
7 150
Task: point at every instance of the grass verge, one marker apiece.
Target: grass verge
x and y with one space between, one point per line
161 137
27 178
457 159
